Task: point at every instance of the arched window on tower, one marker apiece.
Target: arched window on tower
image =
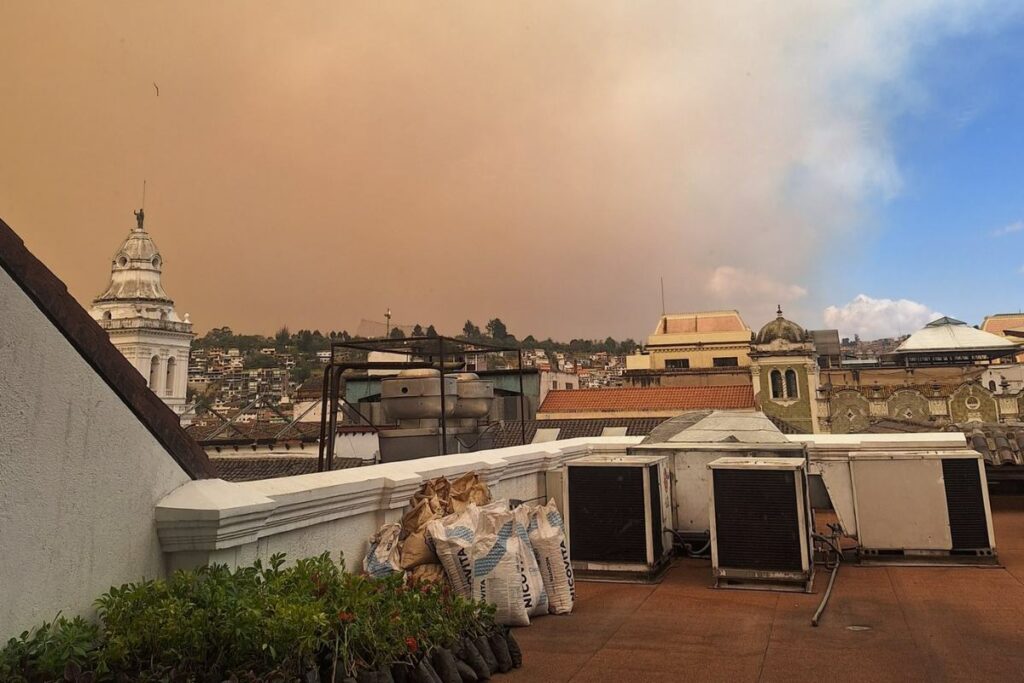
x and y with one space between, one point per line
992 385
107 315
776 381
169 379
154 372
792 390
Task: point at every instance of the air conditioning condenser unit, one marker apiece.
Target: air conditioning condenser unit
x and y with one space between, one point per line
617 511
761 524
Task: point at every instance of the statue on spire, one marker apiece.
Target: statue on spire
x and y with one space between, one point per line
140 216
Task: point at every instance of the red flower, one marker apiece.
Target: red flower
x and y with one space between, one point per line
346 617
411 643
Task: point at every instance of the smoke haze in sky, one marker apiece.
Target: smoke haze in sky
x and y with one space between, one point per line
315 163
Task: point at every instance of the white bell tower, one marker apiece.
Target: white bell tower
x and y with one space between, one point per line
140 318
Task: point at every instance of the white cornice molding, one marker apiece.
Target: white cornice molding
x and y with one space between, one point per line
213 514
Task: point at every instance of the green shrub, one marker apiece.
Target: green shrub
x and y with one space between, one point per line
268 623
50 650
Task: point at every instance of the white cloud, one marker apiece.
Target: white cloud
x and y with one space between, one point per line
730 284
1016 226
878 318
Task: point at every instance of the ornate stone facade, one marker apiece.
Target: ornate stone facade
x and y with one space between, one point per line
849 411
852 409
908 404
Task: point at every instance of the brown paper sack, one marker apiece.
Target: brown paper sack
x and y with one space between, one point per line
431 573
416 552
469 489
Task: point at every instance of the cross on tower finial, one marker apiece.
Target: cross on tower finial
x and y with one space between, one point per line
140 216
778 311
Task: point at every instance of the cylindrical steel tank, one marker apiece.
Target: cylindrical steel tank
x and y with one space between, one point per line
416 395
475 396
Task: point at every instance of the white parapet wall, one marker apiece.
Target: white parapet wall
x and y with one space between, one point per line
235 523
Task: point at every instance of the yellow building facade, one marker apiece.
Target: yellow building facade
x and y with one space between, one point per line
696 341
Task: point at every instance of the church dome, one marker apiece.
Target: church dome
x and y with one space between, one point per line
780 328
135 269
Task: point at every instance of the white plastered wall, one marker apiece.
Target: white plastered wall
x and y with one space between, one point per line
79 476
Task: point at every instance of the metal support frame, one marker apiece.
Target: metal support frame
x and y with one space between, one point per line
413 346
329 396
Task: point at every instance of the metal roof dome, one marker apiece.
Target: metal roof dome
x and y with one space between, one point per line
780 328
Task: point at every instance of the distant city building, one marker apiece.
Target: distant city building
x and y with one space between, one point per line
690 341
140 318
1009 325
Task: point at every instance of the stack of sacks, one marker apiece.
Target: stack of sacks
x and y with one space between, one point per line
516 560
406 546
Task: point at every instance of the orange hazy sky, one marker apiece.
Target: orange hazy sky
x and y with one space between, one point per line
315 163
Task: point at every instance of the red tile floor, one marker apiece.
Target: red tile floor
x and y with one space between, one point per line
922 623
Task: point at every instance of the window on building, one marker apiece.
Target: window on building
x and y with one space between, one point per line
992 385
107 315
169 379
792 391
677 364
154 371
776 381
569 385
730 362
554 384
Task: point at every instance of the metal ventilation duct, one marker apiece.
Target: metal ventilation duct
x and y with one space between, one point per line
416 395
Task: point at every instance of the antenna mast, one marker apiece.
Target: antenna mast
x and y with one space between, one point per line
663 296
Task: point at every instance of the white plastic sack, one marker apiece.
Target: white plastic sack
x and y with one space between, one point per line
495 515
499 574
547 536
382 557
521 516
453 538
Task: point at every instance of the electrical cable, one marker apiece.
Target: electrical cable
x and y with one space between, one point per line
687 548
834 544
824 599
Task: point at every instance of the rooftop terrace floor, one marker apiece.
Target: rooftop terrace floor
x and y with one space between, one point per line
923 623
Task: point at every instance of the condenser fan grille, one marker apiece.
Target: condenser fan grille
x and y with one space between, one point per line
968 524
607 514
756 520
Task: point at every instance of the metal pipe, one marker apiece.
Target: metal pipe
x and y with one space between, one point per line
323 418
522 401
444 419
335 376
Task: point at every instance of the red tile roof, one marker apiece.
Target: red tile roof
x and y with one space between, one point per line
648 399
